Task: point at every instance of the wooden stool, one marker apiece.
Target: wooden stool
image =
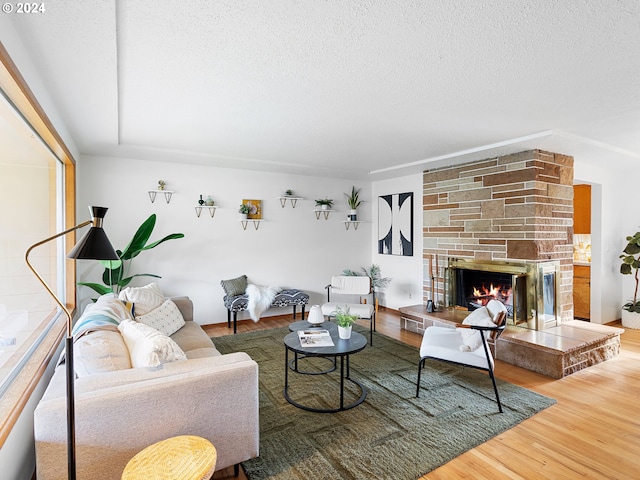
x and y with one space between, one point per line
179 458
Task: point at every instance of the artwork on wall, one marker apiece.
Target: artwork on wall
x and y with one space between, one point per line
255 209
395 224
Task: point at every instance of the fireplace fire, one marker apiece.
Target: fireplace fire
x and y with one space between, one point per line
526 289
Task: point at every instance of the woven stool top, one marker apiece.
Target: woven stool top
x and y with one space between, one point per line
185 457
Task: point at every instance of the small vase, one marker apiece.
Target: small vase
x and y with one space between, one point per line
315 315
201 201
344 332
353 215
209 202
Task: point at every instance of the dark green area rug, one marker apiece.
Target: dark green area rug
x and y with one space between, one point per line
392 435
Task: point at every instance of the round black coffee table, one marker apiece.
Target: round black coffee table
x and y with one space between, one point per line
342 349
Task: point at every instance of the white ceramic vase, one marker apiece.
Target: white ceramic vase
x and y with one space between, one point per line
315 315
630 319
344 332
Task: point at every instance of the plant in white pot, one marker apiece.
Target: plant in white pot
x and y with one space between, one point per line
345 320
324 203
630 266
353 199
244 210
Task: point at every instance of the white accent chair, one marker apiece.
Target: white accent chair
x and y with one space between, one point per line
345 285
444 344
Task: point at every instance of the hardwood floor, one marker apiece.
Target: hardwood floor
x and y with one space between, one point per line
593 432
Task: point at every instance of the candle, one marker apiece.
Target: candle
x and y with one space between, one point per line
437 265
430 267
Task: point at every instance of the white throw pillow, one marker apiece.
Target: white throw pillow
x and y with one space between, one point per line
166 318
472 340
495 307
144 299
147 346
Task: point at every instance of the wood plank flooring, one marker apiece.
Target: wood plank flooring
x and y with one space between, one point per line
593 432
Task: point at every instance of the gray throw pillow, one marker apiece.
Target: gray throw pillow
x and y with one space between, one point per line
235 286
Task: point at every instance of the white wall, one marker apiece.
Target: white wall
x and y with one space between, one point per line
609 290
406 287
290 249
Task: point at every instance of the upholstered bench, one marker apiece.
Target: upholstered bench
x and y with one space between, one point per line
290 297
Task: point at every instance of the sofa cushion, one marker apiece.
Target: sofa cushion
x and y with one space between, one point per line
235 286
166 318
100 351
144 299
147 346
192 337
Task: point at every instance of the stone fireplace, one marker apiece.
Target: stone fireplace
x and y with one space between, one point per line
510 217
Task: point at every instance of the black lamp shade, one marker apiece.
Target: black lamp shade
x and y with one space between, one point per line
94 245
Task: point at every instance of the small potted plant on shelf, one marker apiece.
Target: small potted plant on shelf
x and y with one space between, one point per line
324 203
353 199
631 265
244 210
288 193
345 320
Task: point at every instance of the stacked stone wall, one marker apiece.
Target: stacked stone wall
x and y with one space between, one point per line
517 207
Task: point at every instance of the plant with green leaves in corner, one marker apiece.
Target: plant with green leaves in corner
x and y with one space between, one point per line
631 265
116 274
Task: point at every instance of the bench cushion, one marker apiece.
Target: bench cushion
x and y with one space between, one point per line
285 298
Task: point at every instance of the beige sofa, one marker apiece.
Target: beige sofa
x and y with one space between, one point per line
120 412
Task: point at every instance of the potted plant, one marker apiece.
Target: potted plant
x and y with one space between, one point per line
324 203
353 199
244 210
345 320
288 193
630 265
378 283
116 274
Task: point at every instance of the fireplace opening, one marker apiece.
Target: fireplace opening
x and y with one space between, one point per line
527 289
475 288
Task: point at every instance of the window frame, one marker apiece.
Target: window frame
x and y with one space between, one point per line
18 394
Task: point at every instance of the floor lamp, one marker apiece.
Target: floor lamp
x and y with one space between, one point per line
93 246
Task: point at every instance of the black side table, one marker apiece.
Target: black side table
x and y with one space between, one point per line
342 349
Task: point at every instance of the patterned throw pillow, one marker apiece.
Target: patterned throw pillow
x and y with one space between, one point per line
235 286
166 318
144 299
147 346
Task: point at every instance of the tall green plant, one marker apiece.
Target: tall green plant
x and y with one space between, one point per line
353 198
116 273
631 265
378 282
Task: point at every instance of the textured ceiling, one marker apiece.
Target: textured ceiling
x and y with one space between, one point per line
342 87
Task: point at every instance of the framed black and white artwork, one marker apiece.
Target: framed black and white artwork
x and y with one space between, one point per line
395 224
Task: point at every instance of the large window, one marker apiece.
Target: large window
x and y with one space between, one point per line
37 199
31 194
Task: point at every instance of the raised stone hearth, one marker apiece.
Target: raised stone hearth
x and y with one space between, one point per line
555 352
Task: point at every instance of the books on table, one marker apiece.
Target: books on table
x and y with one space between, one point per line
315 338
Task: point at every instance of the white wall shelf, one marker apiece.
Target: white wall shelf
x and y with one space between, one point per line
318 211
211 208
283 200
167 195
